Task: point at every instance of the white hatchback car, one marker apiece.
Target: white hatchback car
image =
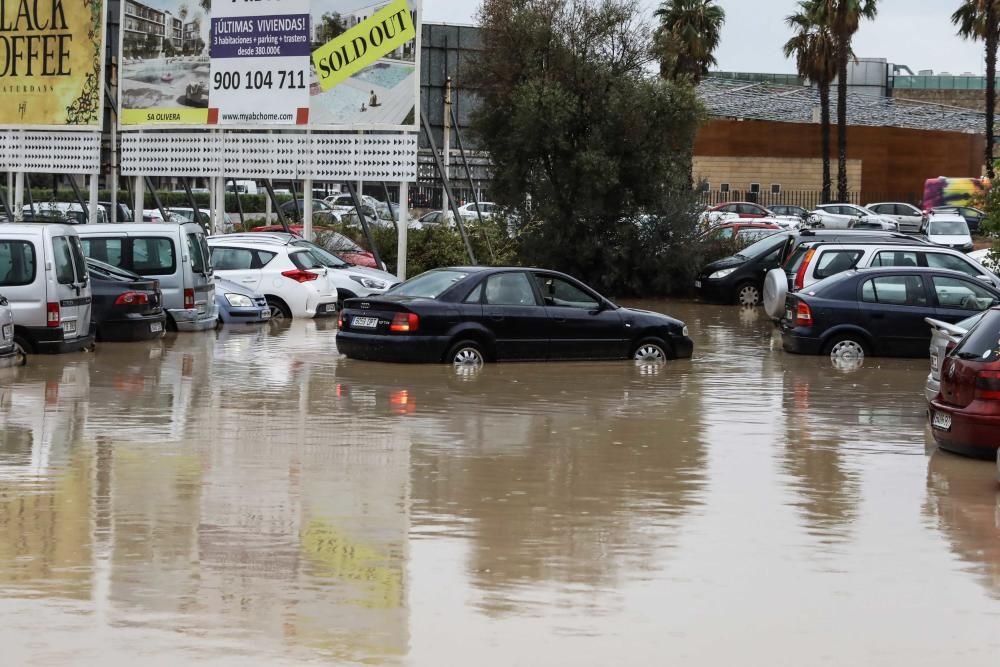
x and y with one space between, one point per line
849 216
293 280
907 216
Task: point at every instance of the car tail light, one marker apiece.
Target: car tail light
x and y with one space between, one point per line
800 275
300 276
132 299
188 299
53 317
340 321
405 323
988 385
803 315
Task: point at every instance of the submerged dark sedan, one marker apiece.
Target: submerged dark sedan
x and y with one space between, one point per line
478 314
127 307
880 312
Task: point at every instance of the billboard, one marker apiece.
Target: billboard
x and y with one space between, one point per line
270 64
52 64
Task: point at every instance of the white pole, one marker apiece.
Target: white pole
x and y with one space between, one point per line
19 196
219 219
92 213
113 179
139 205
445 208
404 218
307 209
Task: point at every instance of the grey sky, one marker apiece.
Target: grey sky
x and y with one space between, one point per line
917 33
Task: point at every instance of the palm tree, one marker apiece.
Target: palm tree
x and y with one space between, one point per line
980 19
688 34
815 50
843 18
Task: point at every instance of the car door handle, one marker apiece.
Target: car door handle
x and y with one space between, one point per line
497 318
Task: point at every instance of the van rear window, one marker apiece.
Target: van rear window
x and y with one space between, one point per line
153 256
63 260
17 263
108 251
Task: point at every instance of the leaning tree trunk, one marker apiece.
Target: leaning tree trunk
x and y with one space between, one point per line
824 110
842 57
992 41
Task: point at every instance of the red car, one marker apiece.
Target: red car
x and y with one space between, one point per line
965 416
331 241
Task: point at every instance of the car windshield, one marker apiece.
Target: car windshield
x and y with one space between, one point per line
327 258
763 246
983 342
429 285
948 228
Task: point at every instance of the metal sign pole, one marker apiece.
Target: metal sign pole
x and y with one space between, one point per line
472 187
447 188
277 209
364 222
401 241
19 195
79 198
156 198
191 201
239 204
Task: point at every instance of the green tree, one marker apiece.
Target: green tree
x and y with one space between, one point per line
980 20
843 17
688 34
815 51
586 145
331 26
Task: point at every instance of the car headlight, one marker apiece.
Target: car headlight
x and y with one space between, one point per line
718 275
370 283
684 331
239 301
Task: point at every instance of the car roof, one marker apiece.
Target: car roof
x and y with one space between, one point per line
922 270
893 203
947 217
38 227
252 244
165 225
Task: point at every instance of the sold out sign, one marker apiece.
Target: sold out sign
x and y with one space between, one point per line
364 44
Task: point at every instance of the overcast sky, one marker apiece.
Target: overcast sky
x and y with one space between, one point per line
917 33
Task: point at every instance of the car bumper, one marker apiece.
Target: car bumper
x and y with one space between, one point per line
254 315
798 343
714 290
191 320
972 434
51 341
132 329
683 347
325 307
932 388
10 358
398 349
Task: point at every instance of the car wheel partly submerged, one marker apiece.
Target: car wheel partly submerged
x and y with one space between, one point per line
748 294
650 351
847 349
466 354
279 311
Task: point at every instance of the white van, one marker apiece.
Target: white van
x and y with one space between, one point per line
177 255
43 274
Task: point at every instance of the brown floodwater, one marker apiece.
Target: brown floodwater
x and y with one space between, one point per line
250 498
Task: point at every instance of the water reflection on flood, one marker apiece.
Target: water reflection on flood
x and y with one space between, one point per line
247 497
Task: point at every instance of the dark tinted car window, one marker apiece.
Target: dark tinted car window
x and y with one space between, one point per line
557 292
108 251
943 261
510 289
895 291
983 343
429 285
153 256
896 258
63 260
17 263
476 295
836 261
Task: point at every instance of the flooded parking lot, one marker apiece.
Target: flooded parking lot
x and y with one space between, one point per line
253 499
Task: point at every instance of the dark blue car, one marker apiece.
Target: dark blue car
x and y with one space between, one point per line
880 312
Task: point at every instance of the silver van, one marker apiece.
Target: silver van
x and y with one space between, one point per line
43 275
176 254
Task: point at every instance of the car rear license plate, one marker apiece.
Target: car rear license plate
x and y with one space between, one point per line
69 327
935 363
8 331
941 421
365 322
265 314
697 284
155 327
789 315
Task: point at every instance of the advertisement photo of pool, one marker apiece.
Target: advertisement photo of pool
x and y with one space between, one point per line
383 94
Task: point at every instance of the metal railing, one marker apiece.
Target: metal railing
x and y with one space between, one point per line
807 199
